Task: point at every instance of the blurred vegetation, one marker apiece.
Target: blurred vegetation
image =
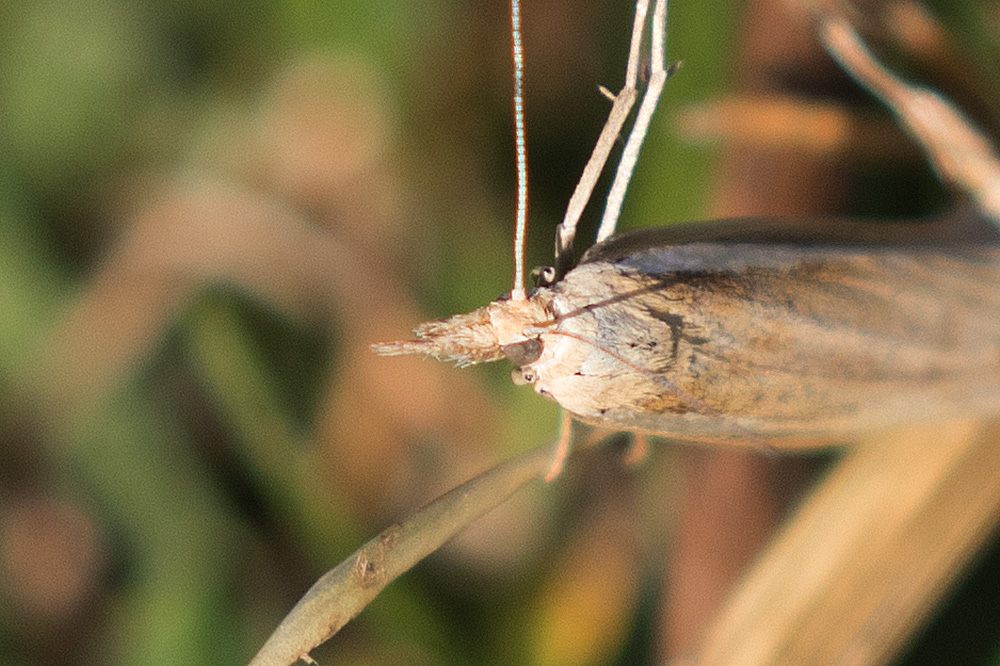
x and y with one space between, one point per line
207 212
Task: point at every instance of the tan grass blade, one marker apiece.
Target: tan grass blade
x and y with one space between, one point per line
857 570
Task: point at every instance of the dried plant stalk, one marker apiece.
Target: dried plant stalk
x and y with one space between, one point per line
342 592
959 152
854 573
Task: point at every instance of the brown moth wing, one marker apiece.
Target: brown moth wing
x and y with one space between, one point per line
733 333
962 228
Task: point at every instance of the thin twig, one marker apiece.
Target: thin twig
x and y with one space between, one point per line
957 150
345 590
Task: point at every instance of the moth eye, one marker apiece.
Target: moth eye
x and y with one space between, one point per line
522 377
543 276
523 353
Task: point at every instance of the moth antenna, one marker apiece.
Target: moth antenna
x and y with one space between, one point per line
518 292
630 155
623 101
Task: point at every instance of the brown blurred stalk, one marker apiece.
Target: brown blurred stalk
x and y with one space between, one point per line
854 573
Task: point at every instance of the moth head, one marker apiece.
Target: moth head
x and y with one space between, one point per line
523 352
505 328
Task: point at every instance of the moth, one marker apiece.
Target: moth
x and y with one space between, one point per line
752 332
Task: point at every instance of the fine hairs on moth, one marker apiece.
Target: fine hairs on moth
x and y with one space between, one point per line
749 332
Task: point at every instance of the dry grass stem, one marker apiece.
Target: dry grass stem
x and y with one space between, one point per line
341 593
854 573
957 150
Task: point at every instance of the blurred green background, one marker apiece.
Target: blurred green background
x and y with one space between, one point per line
209 210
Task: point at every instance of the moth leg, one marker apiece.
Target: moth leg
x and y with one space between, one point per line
562 448
637 449
623 101
657 79
957 150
